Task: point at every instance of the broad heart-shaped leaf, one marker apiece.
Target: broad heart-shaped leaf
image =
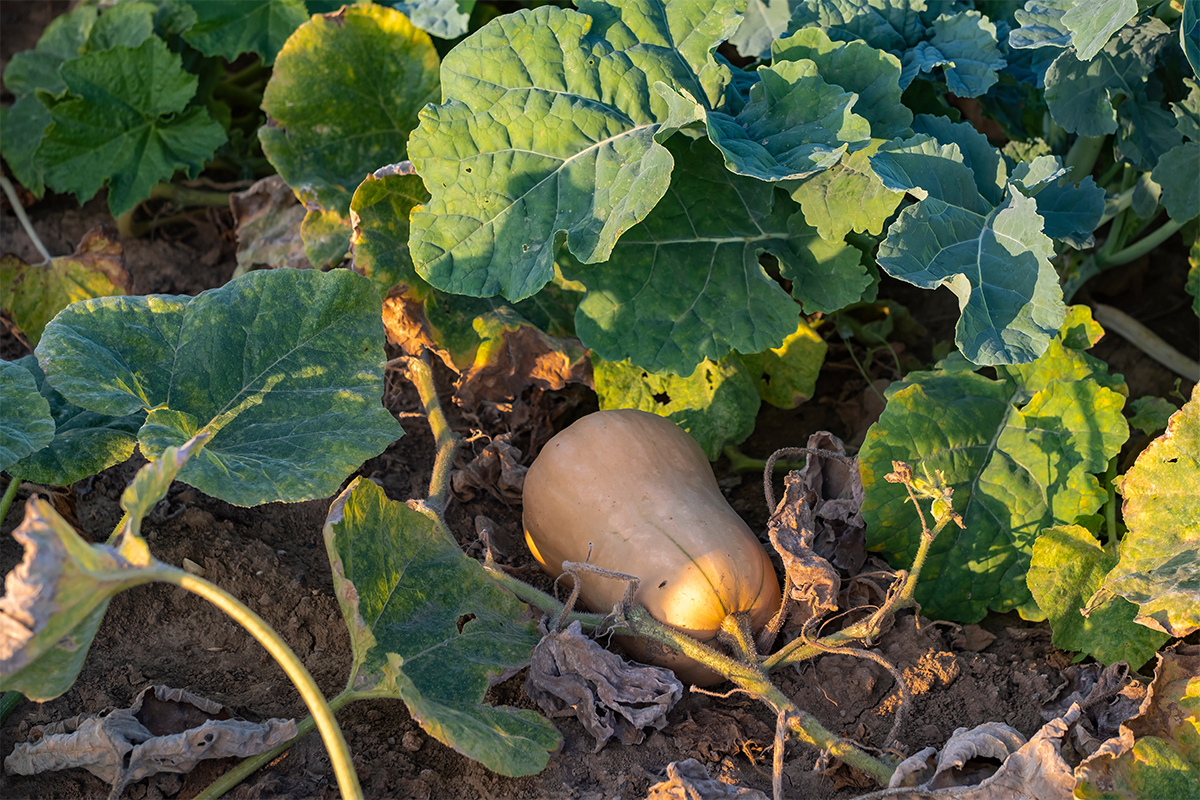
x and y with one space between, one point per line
847 197
1093 23
1081 94
787 375
22 126
445 19
968 40
1021 454
873 75
793 126
996 260
428 626
763 23
231 27
25 422
84 442
1176 172
55 599
33 295
283 367
124 123
125 24
326 236
380 210
986 163
686 284
1067 567
1159 568
38 68
343 99
716 404
552 125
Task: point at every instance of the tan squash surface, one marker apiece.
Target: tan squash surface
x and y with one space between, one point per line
640 490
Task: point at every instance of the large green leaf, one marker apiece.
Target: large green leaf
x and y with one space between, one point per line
445 19
429 627
1021 453
716 404
1093 23
793 125
38 68
1067 567
967 40
1159 568
231 27
25 422
1175 173
1069 211
552 125
343 99
686 285
283 367
1081 94
787 375
764 22
84 442
125 123
847 197
57 596
126 24
873 75
22 126
996 260
380 209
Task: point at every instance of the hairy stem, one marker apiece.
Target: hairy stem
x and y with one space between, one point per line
10 494
1139 248
331 734
542 601
739 462
1081 158
19 210
420 372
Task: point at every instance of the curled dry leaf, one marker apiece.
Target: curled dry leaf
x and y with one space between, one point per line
689 780
570 675
836 494
268 218
165 730
497 470
814 582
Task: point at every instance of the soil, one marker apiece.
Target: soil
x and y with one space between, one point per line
273 558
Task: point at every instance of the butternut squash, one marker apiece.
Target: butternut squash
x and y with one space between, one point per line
640 491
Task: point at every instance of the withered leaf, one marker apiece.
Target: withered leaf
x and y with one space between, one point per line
814 582
497 470
571 675
835 492
268 218
165 730
689 780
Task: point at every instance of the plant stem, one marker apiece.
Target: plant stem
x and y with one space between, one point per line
542 601
739 462
1082 156
247 75
236 95
10 494
19 210
8 703
1110 507
420 372
1139 248
331 734
184 196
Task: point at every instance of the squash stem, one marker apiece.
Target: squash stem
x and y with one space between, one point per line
19 210
14 483
542 601
420 372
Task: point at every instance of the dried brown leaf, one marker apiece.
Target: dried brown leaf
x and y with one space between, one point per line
814 582
836 494
497 470
268 218
165 730
514 356
571 675
689 780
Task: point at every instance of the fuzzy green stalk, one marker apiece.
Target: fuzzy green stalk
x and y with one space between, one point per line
10 494
185 196
740 463
420 372
1104 260
544 602
19 210
1081 158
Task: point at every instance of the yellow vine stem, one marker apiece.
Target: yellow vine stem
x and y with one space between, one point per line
331 734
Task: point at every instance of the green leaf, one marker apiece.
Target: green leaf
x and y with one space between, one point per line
986 163
25 422
445 19
231 27
794 125
1093 23
429 627
552 125
763 23
1067 567
22 126
1187 112
873 75
1151 414
1021 454
85 443
1189 34
1041 25
1068 211
326 236
885 24
343 100
687 282
995 260
847 197
380 209
1081 94
716 404
1159 568
284 367
1176 172
57 596
1146 132
123 25
38 68
968 40
33 295
124 124
787 375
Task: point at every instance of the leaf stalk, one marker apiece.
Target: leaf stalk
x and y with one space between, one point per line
420 372
19 210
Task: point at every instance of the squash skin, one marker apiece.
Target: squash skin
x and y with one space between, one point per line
641 491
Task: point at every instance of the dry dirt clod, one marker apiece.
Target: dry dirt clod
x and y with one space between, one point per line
165 730
571 675
689 780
